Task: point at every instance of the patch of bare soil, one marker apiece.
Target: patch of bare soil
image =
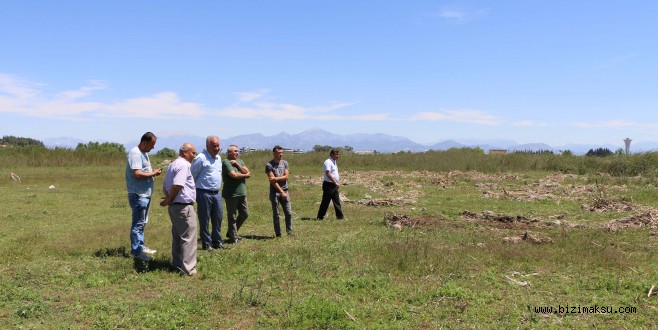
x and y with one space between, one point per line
552 187
514 221
398 221
638 220
398 193
479 176
503 219
607 205
369 201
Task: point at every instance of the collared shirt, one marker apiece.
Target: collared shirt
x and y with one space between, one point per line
331 166
207 171
138 160
233 187
178 174
278 169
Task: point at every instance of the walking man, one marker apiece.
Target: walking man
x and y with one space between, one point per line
180 194
330 186
207 172
277 174
235 175
139 182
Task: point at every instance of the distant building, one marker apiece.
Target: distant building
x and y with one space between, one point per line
364 152
497 151
245 150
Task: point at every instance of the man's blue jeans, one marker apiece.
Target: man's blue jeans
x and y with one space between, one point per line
140 206
209 208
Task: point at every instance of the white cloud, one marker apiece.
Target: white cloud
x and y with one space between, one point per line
614 124
26 98
529 123
82 92
248 107
161 105
15 88
452 14
251 96
464 116
460 15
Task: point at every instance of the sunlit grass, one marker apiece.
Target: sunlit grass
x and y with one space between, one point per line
65 263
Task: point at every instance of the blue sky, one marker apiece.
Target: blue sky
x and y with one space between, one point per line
556 72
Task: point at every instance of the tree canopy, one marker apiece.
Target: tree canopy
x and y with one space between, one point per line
20 141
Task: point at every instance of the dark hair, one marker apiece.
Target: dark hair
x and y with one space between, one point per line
148 137
334 151
277 147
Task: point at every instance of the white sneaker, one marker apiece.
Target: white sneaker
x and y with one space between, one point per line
148 251
143 257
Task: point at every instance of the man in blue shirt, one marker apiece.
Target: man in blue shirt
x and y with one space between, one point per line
207 172
139 183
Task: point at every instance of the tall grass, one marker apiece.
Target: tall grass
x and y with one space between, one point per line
17 157
465 159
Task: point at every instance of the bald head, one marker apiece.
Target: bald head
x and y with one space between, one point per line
187 151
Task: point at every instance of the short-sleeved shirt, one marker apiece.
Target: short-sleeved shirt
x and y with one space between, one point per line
278 169
331 166
138 160
207 171
233 187
179 174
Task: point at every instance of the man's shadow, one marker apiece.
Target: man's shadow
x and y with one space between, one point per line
139 265
257 237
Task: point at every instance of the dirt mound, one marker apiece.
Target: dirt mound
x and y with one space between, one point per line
369 201
607 205
515 221
398 221
638 220
502 218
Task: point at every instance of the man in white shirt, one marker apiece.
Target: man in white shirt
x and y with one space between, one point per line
330 186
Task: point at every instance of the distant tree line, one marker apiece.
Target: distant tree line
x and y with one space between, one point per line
167 153
111 147
599 152
327 149
20 141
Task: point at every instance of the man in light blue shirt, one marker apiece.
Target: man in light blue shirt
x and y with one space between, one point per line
139 183
207 172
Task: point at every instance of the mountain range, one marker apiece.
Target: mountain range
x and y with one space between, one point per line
379 142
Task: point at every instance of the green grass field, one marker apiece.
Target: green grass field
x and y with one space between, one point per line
428 243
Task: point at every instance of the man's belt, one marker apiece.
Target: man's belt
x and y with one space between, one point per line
212 192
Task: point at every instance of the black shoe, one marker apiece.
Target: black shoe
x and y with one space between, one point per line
220 246
206 247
